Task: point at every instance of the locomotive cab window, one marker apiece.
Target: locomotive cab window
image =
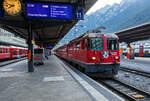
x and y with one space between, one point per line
88 44
112 44
96 44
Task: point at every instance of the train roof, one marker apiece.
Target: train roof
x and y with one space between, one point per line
91 34
17 47
112 35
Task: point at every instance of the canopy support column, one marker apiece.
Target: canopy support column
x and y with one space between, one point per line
30 48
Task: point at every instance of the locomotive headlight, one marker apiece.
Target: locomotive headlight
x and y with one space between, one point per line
93 58
116 57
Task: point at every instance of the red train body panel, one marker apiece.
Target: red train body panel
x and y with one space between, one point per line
4 52
94 53
10 52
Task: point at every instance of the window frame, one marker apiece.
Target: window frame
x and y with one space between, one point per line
117 44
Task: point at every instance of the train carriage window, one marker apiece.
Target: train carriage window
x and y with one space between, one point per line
69 47
14 52
20 52
112 44
6 51
96 44
82 44
1 51
78 45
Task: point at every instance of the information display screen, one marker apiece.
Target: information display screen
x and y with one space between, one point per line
61 11
50 11
37 10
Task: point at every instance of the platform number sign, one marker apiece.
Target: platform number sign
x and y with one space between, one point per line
78 14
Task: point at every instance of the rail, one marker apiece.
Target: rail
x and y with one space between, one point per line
129 92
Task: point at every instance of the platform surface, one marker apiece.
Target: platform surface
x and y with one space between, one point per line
139 63
53 81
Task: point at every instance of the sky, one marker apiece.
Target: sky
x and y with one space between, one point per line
101 3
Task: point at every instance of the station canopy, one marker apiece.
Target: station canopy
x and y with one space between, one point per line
46 31
137 33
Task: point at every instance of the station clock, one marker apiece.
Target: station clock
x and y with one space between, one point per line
12 7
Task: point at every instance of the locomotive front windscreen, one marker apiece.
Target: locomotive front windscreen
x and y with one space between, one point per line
112 44
96 44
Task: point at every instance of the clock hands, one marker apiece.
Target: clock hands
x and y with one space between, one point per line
12 7
9 5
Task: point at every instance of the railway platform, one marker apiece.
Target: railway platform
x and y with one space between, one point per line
53 81
139 63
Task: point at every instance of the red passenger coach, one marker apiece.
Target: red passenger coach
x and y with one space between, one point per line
10 52
62 52
96 54
4 52
17 52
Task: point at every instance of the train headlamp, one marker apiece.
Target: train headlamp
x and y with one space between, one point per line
93 58
116 57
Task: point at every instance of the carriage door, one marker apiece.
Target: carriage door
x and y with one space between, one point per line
141 50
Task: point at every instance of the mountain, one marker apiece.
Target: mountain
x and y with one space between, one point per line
117 17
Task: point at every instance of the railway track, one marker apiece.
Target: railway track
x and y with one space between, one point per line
135 72
10 62
129 92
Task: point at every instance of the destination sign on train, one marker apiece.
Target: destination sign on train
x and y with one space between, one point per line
49 11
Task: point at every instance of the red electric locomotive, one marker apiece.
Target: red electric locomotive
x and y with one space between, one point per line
95 53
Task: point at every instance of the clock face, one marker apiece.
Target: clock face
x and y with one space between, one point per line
12 7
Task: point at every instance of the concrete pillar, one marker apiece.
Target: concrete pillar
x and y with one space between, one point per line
30 48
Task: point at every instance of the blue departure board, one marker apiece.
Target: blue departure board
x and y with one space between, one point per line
49 11
37 10
61 11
